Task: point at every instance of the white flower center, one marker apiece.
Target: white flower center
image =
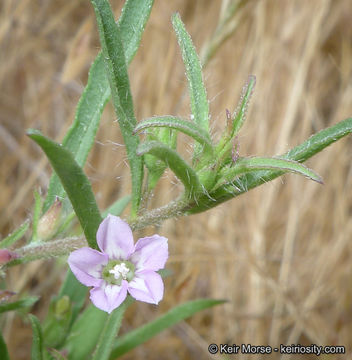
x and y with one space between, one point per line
120 270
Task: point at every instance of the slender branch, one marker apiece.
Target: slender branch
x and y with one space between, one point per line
49 249
61 247
157 216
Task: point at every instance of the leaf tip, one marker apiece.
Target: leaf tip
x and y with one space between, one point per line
175 16
33 132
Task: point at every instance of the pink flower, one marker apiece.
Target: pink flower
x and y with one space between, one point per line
121 266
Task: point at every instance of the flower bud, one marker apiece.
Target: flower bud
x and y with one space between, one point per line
62 306
50 221
6 256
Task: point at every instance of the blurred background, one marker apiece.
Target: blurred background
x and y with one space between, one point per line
281 254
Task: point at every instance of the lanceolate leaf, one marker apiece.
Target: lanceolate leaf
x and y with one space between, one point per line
139 336
80 137
198 96
110 331
173 122
246 165
116 68
37 352
89 330
320 141
3 349
134 16
85 333
300 153
75 184
174 161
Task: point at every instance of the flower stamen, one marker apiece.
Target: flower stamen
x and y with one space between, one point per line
120 270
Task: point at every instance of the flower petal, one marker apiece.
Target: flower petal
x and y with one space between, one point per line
109 297
147 286
115 238
150 253
87 264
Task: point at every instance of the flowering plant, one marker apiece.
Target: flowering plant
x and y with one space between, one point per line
103 256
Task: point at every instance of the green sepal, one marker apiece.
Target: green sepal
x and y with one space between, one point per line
239 115
234 124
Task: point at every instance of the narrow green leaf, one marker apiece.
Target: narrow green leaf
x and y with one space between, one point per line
85 333
199 101
300 153
117 207
131 24
174 161
198 96
37 351
75 184
139 336
174 122
319 141
16 235
239 115
36 215
246 165
116 69
4 354
16 305
80 137
110 331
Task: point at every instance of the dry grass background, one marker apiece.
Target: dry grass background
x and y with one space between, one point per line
281 254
